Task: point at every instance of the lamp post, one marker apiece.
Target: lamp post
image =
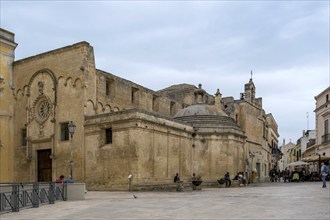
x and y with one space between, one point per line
72 129
251 155
319 162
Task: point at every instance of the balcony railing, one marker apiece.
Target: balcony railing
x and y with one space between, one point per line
325 138
311 142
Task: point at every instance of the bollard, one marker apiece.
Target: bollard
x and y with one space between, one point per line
130 182
65 191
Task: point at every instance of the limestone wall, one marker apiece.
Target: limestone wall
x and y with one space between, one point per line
7 54
151 152
67 76
124 94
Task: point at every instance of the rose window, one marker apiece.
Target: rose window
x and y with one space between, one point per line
42 109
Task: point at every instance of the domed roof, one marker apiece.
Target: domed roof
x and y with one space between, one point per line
200 109
205 116
202 115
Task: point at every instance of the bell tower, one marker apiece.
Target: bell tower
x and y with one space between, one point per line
250 91
7 56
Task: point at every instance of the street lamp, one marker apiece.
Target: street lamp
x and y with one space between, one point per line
72 129
319 162
251 155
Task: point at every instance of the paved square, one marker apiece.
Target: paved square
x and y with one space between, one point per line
261 201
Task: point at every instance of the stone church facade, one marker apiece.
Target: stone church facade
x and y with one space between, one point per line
122 128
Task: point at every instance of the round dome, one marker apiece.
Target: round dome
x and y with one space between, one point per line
200 110
207 116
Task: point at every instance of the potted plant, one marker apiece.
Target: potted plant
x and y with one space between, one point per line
221 181
196 180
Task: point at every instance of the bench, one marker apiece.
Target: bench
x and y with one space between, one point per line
234 183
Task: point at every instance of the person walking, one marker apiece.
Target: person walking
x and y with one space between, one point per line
324 174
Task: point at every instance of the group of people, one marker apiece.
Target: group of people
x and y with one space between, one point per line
239 176
275 176
300 175
61 179
289 176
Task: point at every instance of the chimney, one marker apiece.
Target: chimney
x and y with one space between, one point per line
217 99
199 95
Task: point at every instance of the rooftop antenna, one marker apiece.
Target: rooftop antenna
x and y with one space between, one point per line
307 121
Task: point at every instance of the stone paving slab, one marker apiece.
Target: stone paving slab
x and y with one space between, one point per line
276 201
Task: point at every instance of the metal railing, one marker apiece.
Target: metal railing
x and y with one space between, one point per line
16 196
311 142
325 138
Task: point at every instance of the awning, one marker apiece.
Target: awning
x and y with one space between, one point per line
297 163
315 158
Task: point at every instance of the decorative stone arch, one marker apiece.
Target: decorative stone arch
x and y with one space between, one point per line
25 89
61 79
77 82
53 78
19 93
99 108
107 108
115 109
68 80
89 107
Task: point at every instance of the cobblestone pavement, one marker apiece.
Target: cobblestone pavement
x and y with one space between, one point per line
259 201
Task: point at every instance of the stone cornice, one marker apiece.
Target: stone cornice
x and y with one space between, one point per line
35 141
322 106
251 142
134 110
322 93
52 52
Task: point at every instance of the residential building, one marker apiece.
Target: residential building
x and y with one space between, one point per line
322 118
289 155
307 140
318 150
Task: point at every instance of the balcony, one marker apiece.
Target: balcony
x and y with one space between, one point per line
311 142
325 138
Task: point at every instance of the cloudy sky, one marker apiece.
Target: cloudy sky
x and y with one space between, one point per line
217 43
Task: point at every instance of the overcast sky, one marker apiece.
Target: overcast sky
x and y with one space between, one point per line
217 43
